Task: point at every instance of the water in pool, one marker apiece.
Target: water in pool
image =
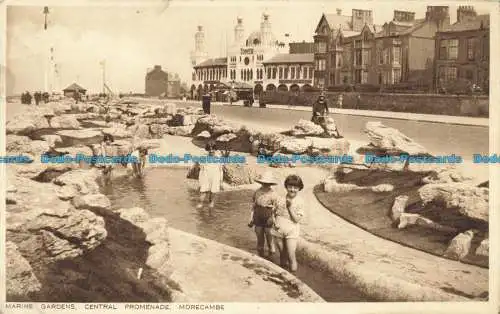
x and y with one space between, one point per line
167 193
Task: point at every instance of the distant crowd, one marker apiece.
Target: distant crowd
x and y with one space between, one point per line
27 98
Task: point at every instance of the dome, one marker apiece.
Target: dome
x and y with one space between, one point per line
255 38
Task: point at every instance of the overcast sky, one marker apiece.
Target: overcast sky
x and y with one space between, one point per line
133 39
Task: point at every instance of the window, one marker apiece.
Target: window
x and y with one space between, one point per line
357 57
366 57
339 61
251 74
469 75
386 56
448 49
293 73
357 44
268 70
364 77
472 48
397 76
321 47
486 47
274 73
298 72
322 64
286 73
397 55
380 53
357 76
310 72
447 74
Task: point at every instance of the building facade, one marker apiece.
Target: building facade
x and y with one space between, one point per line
359 52
245 65
289 72
462 50
160 83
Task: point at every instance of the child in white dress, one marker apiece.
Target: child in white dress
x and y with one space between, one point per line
210 178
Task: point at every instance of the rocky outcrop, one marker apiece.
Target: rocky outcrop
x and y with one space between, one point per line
390 139
27 123
306 128
332 146
483 248
180 130
80 137
238 174
64 122
52 140
460 246
21 281
139 130
448 174
398 207
81 181
470 201
117 133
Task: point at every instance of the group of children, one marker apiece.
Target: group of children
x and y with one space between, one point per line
276 219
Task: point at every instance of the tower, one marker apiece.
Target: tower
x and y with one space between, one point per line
465 13
265 30
239 32
199 54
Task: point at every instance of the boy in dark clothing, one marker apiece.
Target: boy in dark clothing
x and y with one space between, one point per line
320 110
38 98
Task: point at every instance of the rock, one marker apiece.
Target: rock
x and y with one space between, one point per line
84 181
27 123
98 123
65 122
459 246
485 184
381 188
139 130
147 144
448 174
483 248
305 127
21 281
156 230
158 255
150 121
331 185
238 174
122 147
80 107
66 192
387 138
409 219
226 137
23 145
295 145
331 126
52 140
399 206
117 133
85 116
225 127
92 201
332 146
214 126
135 215
78 149
81 137
16 143
52 171
170 108
41 217
469 201
60 108
180 130
204 134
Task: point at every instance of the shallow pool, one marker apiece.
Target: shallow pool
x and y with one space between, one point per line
165 192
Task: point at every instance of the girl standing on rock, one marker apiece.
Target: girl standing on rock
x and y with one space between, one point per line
265 202
210 178
286 228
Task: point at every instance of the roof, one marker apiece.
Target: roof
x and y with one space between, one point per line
416 26
212 62
336 21
468 25
74 87
291 58
347 34
255 38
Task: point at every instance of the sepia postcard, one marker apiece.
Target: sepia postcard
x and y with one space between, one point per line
250 156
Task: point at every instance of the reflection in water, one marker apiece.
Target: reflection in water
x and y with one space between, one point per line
167 193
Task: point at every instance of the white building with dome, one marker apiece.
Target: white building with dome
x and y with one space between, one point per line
244 67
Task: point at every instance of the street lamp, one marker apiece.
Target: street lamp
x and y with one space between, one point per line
45 12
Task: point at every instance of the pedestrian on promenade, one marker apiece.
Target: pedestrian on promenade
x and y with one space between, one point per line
320 111
210 178
23 98
286 228
265 203
358 101
107 151
28 98
38 98
340 101
46 97
138 167
206 103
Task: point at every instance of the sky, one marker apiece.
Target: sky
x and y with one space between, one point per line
132 39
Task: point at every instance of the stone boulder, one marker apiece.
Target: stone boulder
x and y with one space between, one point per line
470 201
459 246
170 108
52 140
68 122
82 181
117 133
306 128
330 185
27 123
39 216
139 130
86 116
158 130
93 202
409 219
295 145
204 134
483 248
332 146
79 149
238 174
147 144
80 137
390 139
448 174
214 126
16 143
21 281
24 146
79 107
398 207
180 130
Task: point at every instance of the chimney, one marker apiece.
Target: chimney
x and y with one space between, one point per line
465 13
339 12
200 28
157 67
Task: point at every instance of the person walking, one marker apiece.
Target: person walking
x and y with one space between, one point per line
38 98
340 101
28 98
210 178
286 229
265 203
320 111
206 103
